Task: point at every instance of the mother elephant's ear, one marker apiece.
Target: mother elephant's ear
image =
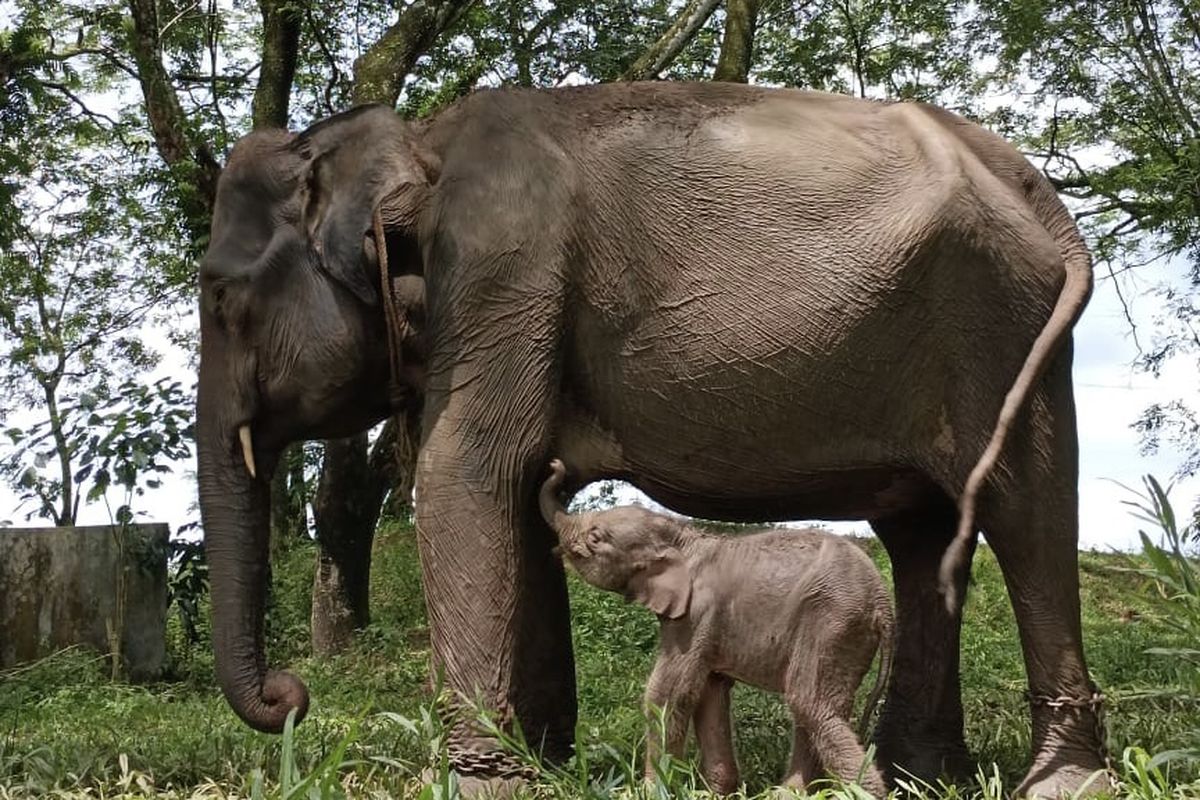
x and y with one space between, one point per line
664 585
358 161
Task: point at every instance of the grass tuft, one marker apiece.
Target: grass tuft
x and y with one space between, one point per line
373 730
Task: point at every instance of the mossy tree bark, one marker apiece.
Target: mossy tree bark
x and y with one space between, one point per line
662 52
737 47
350 497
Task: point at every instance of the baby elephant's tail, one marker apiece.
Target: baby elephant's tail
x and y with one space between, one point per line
884 626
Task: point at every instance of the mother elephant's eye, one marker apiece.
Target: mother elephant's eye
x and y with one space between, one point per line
216 303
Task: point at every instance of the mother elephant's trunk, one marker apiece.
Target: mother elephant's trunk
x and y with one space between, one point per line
235 509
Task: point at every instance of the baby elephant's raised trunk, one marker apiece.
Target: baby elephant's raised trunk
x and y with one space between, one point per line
553 512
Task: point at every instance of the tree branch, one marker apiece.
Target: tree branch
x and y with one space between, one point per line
660 54
379 73
213 31
199 77
94 116
1149 21
737 47
281 43
109 55
335 74
168 123
1133 329
1159 74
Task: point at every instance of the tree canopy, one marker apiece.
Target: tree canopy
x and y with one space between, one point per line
115 118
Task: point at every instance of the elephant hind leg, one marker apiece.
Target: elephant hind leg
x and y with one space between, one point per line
832 747
804 766
1031 523
821 681
920 727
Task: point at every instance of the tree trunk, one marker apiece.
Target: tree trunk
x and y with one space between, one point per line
194 168
346 510
289 518
379 73
281 22
65 513
660 54
737 48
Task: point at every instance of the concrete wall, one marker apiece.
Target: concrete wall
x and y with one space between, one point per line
58 588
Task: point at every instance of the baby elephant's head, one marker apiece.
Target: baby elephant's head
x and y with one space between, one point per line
628 550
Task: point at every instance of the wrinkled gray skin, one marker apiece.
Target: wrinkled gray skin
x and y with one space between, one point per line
801 613
750 303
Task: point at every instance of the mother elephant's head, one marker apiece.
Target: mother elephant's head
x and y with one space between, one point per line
293 345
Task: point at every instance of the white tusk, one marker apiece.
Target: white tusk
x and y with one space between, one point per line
247 449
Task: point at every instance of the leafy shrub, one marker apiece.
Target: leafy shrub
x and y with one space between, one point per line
1173 569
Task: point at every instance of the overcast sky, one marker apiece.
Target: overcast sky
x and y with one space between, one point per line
1110 395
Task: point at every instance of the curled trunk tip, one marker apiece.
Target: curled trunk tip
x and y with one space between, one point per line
281 692
551 506
264 704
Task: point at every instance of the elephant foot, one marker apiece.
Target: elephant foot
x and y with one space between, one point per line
1053 781
478 787
484 771
1071 759
923 755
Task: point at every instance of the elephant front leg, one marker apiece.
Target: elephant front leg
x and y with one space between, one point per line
672 693
714 732
496 596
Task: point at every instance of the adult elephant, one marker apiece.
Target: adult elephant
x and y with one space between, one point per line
752 303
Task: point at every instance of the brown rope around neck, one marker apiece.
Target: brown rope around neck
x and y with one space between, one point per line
395 325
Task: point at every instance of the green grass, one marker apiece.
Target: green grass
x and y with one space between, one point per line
66 731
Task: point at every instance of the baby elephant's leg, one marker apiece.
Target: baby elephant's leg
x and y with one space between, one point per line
675 686
805 768
839 751
714 732
827 668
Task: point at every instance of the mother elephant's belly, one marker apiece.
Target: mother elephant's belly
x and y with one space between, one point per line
765 415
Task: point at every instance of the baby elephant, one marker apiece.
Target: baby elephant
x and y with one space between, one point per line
797 612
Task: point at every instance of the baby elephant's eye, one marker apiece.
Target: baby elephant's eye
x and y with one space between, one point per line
594 537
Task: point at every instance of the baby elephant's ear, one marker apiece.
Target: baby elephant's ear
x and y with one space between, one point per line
664 585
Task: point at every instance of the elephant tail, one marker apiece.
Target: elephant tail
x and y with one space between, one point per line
1076 289
884 626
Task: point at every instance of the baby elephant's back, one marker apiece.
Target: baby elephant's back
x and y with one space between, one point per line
844 569
838 582
810 593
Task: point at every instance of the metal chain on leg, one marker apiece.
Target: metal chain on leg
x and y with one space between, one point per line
489 764
473 753
1093 702
467 756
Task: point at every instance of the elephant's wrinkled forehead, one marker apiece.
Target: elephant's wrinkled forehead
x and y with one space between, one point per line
257 199
263 162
